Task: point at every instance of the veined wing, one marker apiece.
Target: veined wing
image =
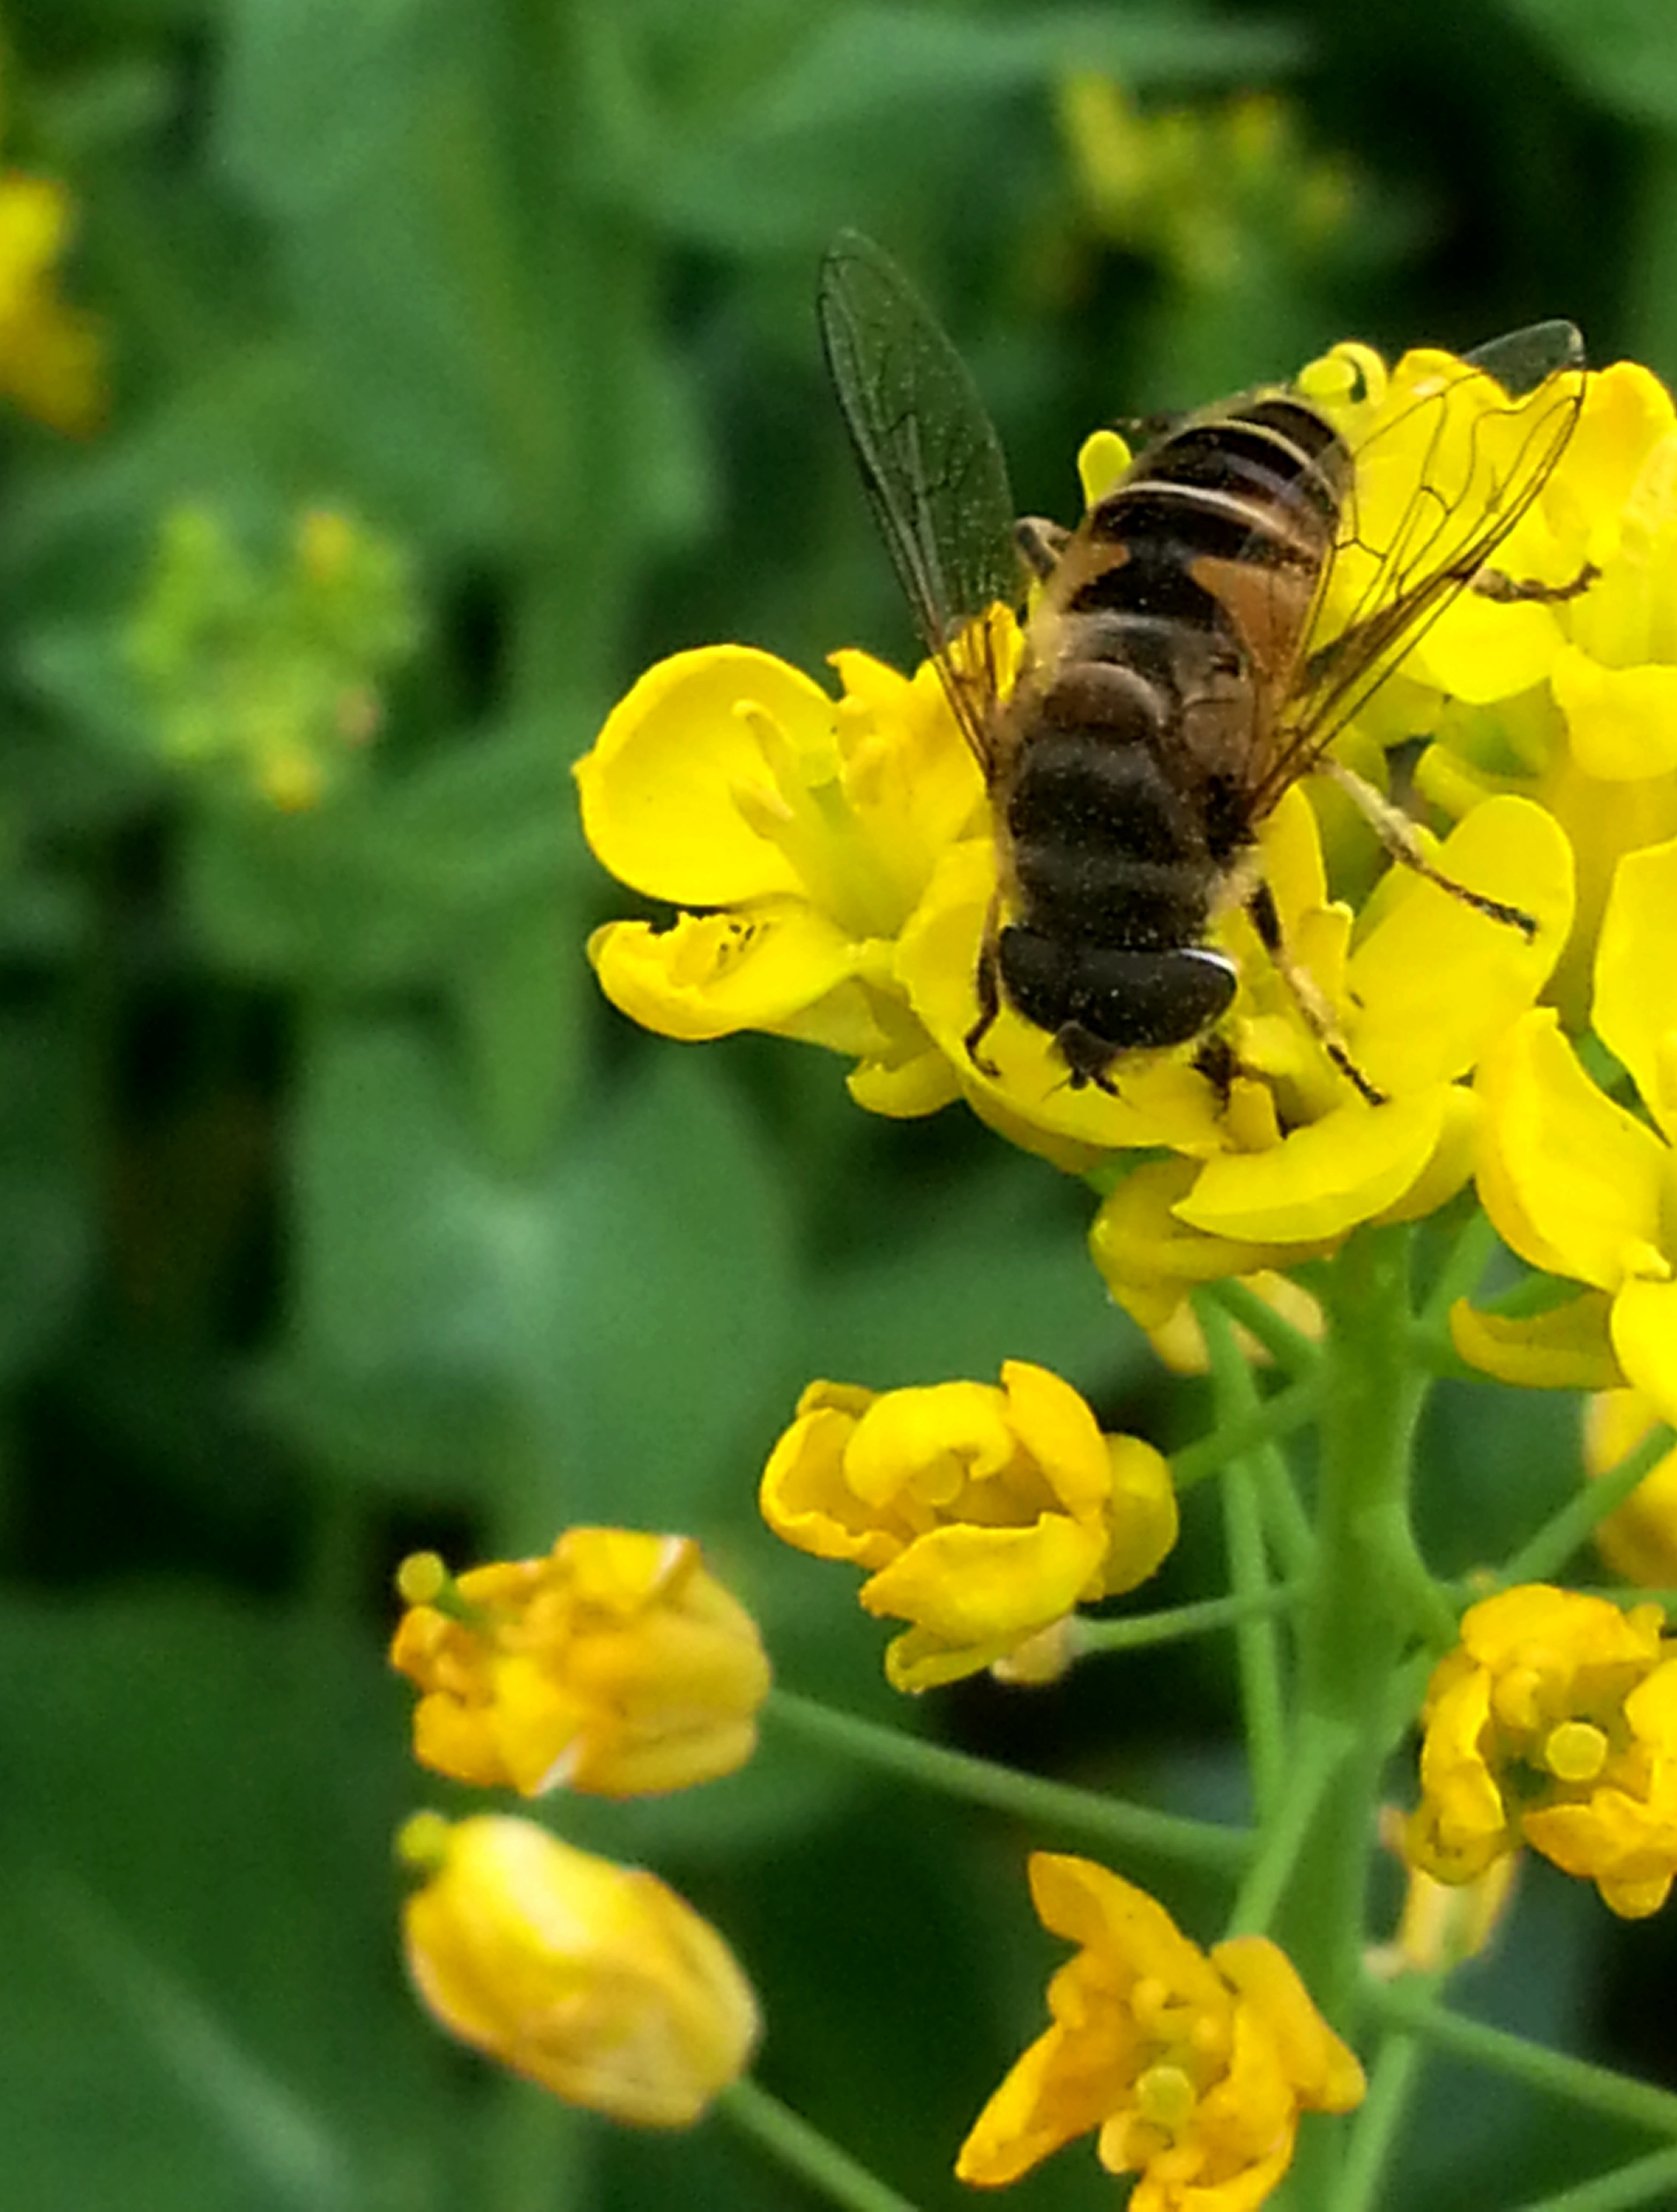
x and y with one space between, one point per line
929 458
1436 489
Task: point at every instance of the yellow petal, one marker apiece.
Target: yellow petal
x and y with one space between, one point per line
709 975
969 1585
1411 1032
1567 1348
1320 1181
1622 722
1480 649
1632 1011
658 788
1644 1335
1584 1175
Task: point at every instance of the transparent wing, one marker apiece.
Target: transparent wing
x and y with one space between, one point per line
1435 491
929 458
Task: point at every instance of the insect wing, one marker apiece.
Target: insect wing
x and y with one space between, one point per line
929 458
1438 487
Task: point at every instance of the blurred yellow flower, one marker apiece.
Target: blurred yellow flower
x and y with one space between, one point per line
1553 1723
1192 2067
595 1980
52 361
617 1666
984 1515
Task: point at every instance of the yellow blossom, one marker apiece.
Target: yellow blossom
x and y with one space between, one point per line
1574 701
1639 1541
1443 1924
1578 1185
594 1979
617 1666
984 1514
1192 2068
727 780
1553 1723
50 357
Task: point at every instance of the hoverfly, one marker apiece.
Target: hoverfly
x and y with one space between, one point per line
1177 676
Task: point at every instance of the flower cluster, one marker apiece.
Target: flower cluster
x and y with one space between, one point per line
1193 2066
617 1665
984 1514
1554 1723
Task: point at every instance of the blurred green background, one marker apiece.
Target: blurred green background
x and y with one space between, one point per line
456 360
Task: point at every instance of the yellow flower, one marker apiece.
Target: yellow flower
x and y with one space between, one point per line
1576 1183
595 1980
1194 2069
1553 1723
1639 1541
984 1515
617 1666
1574 701
1443 1924
51 359
727 780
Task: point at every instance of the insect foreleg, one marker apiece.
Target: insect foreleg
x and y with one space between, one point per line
987 981
1396 832
1040 545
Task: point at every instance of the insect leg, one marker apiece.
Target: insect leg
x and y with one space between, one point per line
1040 545
987 980
1506 590
1307 995
1396 832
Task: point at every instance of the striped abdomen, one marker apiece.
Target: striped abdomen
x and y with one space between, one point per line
1149 711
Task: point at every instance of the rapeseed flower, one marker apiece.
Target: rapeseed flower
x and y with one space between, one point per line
594 1979
1554 1723
617 1666
1191 2068
984 1514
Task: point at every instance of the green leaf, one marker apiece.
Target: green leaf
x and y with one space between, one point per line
632 1304
197 1915
1620 52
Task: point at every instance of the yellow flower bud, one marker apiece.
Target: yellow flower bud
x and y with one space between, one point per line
617 1666
984 1515
594 1979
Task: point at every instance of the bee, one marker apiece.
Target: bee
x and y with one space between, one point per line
1177 673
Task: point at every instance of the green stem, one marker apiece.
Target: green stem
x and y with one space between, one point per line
1172 1624
1356 1626
1289 1347
1644 2181
804 2151
1554 1543
1392 2080
1310 1767
1257 1641
1268 1422
1052 1805
1575 2080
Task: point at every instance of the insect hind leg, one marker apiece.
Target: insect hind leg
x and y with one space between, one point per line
1396 832
987 982
1307 995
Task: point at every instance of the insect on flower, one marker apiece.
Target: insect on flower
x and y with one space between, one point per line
1194 646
